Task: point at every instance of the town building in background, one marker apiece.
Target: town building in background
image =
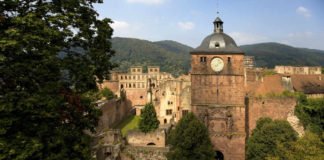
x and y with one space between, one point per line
308 70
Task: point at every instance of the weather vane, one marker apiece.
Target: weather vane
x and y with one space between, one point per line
217 7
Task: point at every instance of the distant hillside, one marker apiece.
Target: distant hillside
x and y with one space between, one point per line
174 46
171 56
271 54
174 57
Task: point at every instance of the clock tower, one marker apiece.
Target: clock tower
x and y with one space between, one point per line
217 97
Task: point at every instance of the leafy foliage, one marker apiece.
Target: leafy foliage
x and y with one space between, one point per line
190 140
46 86
266 136
107 93
311 113
148 121
308 147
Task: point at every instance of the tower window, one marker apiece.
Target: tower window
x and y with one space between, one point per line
229 59
203 59
217 45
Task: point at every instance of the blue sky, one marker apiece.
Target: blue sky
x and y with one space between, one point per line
299 23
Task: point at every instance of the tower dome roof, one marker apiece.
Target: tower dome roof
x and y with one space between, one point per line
218 42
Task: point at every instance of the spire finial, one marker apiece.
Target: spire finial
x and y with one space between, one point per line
218 23
217 7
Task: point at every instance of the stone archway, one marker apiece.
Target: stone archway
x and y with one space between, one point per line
151 144
219 155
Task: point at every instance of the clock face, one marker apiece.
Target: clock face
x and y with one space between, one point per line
217 64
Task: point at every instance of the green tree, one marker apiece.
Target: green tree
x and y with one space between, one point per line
311 113
107 93
148 121
308 147
52 53
266 136
190 140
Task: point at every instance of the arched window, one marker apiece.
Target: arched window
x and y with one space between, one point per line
217 45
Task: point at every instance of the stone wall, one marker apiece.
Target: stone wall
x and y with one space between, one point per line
113 112
156 138
108 145
226 126
275 108
112 85
144 153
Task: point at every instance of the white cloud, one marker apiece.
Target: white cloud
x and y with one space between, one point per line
186 25
119 25
146 1
247 38
303 11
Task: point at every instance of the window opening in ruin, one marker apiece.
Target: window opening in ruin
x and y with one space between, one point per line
168 111
121 86
184 112
130 86
165 121
107 154
141 97
151 144
134 86
121 77
228 59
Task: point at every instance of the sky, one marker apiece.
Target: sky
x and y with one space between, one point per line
299 23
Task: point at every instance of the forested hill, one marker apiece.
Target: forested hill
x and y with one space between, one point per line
171 56
271 54
174 57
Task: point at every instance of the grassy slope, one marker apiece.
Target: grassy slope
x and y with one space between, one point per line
130 123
